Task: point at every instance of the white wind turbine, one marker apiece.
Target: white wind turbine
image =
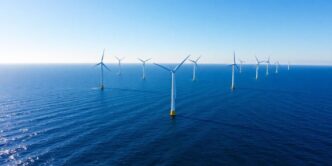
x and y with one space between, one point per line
233 71
102 66
277 66
119 64
194 67
143 66
173 89
267 66
241 63
257 66
288 66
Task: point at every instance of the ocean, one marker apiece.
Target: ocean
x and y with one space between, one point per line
54 114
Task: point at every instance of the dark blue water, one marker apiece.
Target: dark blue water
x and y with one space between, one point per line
55 115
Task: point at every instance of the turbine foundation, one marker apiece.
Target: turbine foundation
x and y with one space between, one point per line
172 113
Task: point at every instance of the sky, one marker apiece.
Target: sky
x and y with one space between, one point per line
77 31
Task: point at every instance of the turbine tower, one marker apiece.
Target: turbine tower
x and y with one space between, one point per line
257 66
194 67
267 66
233 71
119 64
277 66
241 63
143 66
102 66
288 66
173 90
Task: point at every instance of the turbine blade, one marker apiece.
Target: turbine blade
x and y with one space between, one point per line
96 64
163 67
147 59
117 58
191 60
106 67
237 67
179 65
234 58
102 58
257 59
140 60
198 58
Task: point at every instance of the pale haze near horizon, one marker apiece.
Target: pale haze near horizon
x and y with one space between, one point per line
167 31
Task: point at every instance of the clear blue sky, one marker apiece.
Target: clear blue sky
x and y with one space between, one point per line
71 31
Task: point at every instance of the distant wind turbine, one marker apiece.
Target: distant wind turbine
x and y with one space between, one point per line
241 63
288 66
102 66
267 66
194 67
173 90
233 71
257 66
119 64
143 66
277 66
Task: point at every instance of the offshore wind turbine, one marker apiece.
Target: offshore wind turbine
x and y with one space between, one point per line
195 67
102 66
173 88
267 66
257 67
119 64
288 66
233 71
241 63
277 66
143 66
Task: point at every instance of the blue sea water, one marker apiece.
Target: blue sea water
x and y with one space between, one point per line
55 115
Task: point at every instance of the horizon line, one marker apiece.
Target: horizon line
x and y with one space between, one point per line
88 63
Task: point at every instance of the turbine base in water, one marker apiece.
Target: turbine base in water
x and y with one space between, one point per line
172 113
102 87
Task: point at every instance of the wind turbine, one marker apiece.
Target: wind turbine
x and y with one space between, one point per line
195 67
119 64
102 66
143 65
257 66
277 66
288 66
267 66
241 63
173 89
233 71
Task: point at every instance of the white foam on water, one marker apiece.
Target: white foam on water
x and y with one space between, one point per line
24 130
